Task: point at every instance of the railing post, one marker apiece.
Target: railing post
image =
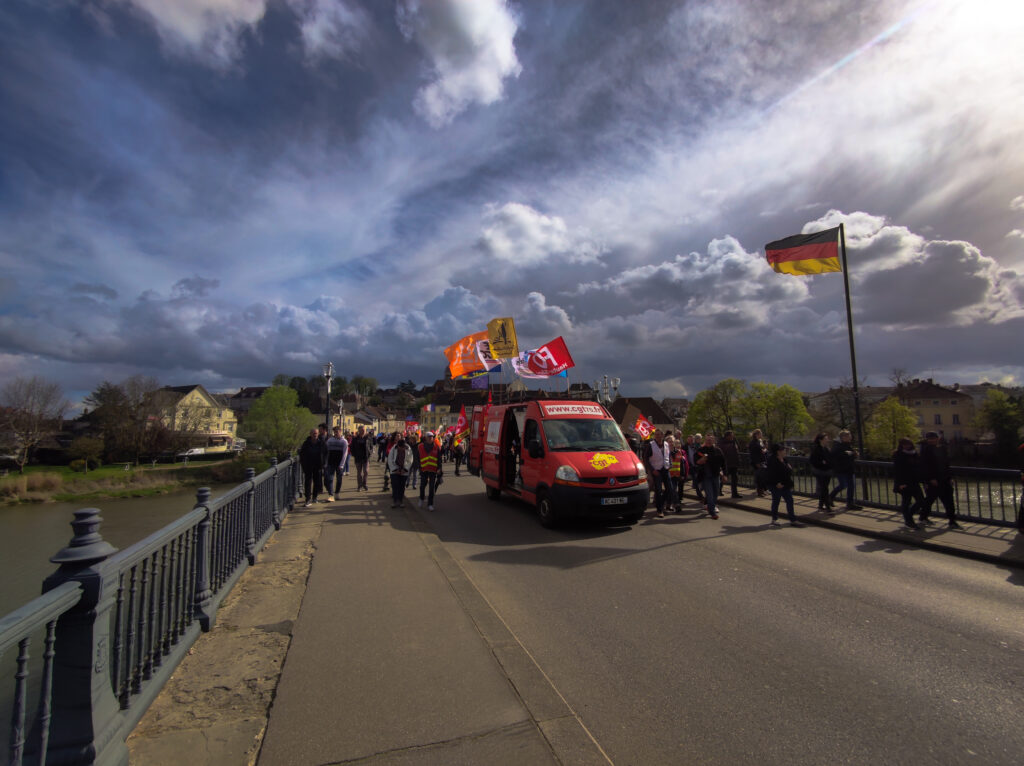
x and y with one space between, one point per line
85 726
250 514
203 553
277 496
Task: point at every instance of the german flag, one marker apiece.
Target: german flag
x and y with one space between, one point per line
800 254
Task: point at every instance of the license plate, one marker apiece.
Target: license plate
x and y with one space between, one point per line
613 500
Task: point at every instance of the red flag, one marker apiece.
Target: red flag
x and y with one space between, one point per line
644 427
551 358
461 427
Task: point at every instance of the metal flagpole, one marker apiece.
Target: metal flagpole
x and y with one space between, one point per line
853 352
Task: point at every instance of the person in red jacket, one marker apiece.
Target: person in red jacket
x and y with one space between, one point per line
430 468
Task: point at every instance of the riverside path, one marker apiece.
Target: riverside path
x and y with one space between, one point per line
473 635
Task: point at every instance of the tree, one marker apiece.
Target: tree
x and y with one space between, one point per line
787 414
364 386
1003 417
276 422
88 449
716 409
33 408
890 422
407 387
129 415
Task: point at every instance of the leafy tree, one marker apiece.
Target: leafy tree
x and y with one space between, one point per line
787 414
407 387
364 386
889 422
33 408
280 380
276 422
1003 417
716 409
88 449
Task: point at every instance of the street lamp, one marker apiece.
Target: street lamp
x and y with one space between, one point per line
607 389
328 374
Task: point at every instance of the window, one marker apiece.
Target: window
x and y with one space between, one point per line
956 418
936 402
952 401
917 403
938 420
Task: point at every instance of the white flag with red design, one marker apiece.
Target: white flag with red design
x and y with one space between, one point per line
644 427
551 358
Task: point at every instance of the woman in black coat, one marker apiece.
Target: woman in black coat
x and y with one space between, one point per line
906 480
821 467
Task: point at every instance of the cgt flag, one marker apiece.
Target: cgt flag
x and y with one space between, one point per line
644 427
461 427
551 358
801 254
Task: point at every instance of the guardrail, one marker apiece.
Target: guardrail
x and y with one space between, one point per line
985 495
116 624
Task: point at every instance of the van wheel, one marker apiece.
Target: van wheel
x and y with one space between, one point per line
546 512
493 493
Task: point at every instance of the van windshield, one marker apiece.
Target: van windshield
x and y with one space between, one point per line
584 435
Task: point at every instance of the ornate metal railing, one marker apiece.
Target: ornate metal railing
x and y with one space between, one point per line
116 624
986 495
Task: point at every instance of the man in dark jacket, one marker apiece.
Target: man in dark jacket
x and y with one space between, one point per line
844 457
311 458
712 463
731 450
938 479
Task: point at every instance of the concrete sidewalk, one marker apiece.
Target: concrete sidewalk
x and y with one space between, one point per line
396 658
1003 546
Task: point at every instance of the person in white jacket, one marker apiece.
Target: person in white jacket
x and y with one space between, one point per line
399 464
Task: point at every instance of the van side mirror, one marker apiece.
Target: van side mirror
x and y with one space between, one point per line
534 448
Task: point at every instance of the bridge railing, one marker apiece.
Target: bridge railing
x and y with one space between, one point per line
986 495
118 623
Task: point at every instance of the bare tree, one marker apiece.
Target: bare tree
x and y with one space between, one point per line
33 408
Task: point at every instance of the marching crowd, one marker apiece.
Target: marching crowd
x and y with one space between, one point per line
921 477
408 457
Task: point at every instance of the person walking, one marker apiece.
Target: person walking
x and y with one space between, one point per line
337 454
938 479
693 443
413 440
399 463
360 448
906 480
778 475
312 461
659 466
844 459
458 451
679 471
821 467
430 469
712 464
731 449
758 460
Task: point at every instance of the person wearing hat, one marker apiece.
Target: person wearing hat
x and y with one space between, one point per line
938 479
430 468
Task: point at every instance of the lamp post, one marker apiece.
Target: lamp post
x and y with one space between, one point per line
607 389
328 374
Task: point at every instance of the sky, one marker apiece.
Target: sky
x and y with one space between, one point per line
219 191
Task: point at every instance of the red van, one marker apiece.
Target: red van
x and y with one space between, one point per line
568 458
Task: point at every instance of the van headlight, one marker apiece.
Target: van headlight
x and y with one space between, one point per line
567 473
641 472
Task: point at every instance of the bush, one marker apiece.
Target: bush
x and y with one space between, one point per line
80 465
43 482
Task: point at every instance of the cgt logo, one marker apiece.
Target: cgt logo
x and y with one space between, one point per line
601 460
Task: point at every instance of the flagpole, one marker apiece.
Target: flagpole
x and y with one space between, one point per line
849 326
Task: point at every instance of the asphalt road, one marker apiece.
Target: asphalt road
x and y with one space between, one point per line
687 640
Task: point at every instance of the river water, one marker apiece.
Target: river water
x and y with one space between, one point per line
33 532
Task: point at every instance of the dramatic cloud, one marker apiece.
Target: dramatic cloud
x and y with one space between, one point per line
218 191
469 46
